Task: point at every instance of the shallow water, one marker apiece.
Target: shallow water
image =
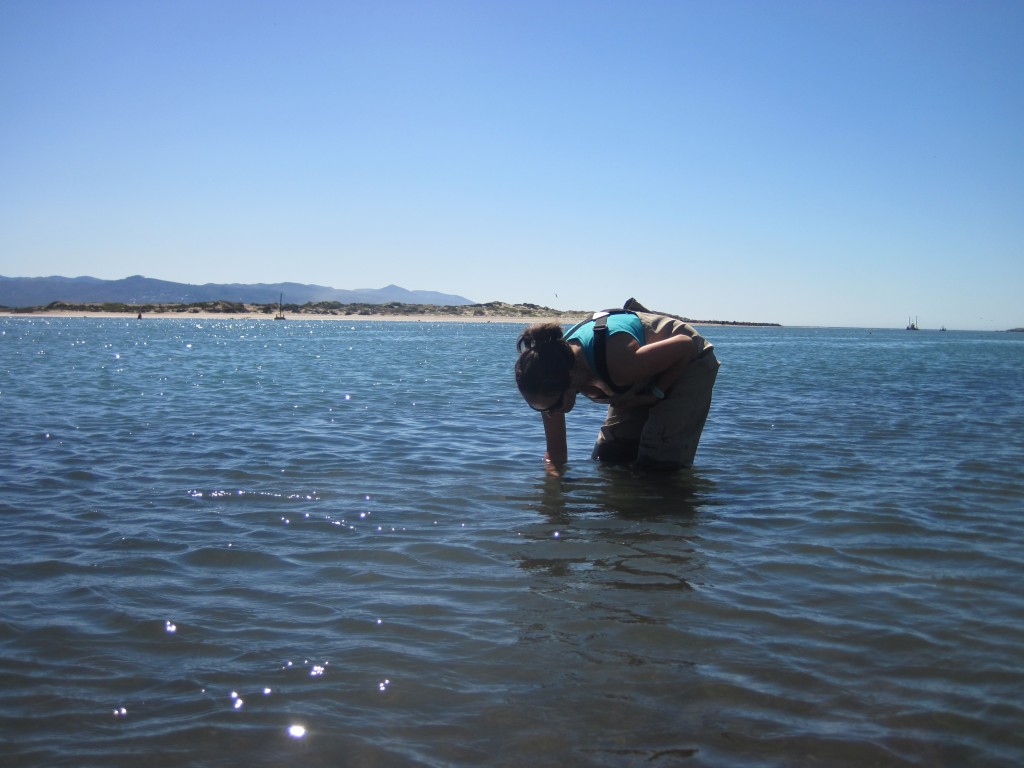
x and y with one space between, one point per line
215 532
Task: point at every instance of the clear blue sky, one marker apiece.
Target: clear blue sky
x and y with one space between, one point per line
809 163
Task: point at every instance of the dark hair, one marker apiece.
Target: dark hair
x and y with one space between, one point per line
545 360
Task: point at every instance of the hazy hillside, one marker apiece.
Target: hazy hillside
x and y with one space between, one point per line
40 291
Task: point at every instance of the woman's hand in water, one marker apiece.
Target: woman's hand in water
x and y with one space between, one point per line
553 468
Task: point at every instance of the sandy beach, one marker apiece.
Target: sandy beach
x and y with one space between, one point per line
567 318
302 316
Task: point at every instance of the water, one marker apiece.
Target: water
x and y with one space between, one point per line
325 543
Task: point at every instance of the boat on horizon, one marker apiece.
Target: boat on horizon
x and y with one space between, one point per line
279 315
912 325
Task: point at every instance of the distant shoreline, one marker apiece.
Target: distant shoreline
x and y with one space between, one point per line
493 312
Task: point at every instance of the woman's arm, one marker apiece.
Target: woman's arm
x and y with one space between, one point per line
554 434
662 361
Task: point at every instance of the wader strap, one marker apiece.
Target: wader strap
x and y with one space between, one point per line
601 352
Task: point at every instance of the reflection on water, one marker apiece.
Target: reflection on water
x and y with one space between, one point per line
616 490
619 528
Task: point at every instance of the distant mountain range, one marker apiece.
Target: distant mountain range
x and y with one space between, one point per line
40 291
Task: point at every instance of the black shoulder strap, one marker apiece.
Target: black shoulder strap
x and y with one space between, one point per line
600 321
601 350
593 318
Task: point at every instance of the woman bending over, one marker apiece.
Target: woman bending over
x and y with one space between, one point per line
654 371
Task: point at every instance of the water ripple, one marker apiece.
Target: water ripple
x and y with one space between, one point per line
269 543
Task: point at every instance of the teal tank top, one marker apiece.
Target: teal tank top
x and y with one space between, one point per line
625 322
